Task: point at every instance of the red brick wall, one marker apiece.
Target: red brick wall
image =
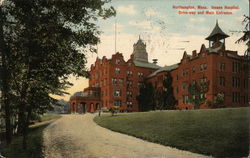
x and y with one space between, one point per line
104 69
212 74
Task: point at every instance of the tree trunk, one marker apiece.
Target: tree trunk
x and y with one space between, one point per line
5 82
26 128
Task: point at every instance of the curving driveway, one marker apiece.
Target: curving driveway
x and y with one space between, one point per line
78 136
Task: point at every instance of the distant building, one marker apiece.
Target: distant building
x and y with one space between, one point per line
115 82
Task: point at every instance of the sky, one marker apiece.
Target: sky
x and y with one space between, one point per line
166 32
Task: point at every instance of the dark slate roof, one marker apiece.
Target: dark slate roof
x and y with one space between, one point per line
217 33
146 65
165 68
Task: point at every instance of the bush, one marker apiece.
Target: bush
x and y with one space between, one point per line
114 109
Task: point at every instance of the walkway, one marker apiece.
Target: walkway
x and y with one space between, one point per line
78 136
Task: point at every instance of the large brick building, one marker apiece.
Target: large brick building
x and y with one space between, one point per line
115 82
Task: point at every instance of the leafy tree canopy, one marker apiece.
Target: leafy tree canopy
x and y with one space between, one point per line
42 42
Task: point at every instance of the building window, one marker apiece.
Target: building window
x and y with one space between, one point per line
193 69
177 77
222 81
203 67
96 76
118 61
184 99
129 104
129 94
120 82
139 84
117 70
203 80
117 92
140 74
184 73
222 66
117 102
129 73
236 97
129 84
184 86
177 90
235 82
114 81
203 95
236 67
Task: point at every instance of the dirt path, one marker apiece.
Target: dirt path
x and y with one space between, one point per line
78 136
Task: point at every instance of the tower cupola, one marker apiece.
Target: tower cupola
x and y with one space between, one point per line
139 52
217 37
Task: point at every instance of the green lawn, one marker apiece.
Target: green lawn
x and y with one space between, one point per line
34 141
216 132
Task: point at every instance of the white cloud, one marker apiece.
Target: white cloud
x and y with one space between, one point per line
141 24
197 19
119 27
150 12
129 10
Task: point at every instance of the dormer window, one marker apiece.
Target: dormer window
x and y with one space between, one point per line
117 61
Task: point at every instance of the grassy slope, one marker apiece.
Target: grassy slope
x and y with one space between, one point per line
35 142
219 132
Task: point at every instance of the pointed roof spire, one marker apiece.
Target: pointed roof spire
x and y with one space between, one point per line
217 33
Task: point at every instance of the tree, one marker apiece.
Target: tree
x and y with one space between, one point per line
246 35
146 97
219 100
164 98
159 99
168 93
43 43
197 93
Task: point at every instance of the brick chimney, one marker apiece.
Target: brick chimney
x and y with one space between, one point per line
194 53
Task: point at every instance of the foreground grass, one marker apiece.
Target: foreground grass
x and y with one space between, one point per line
218 132
34 141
